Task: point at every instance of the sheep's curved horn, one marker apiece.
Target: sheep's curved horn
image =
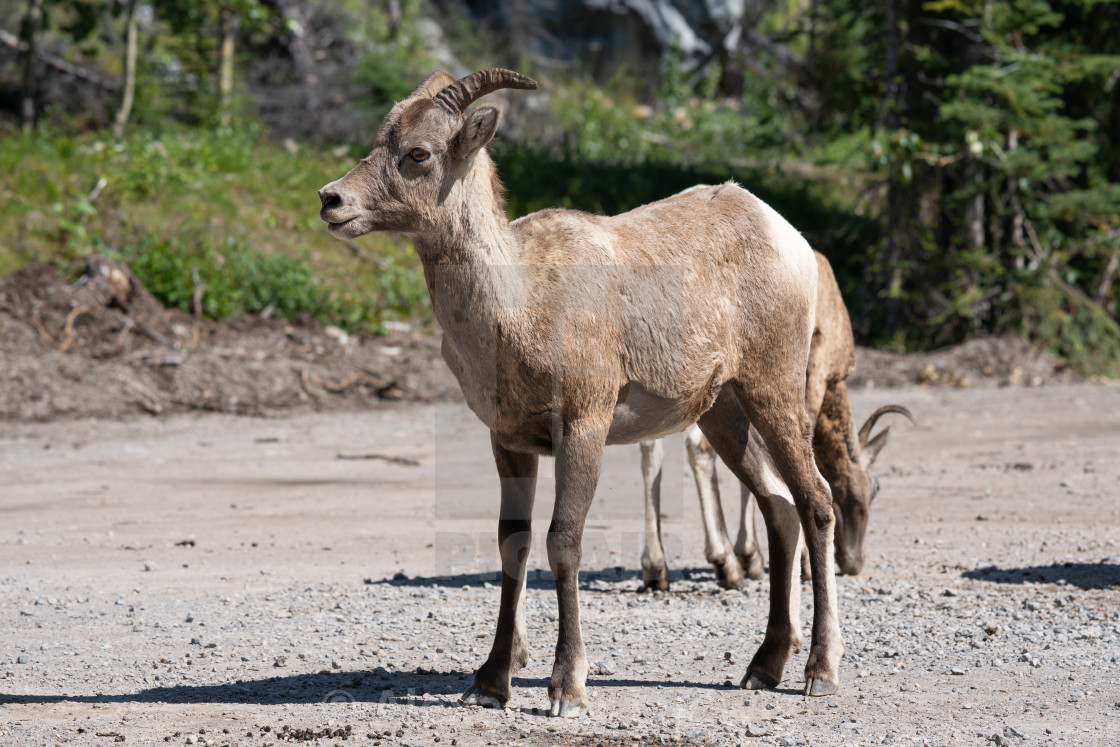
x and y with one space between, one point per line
433 84
462 93
865 430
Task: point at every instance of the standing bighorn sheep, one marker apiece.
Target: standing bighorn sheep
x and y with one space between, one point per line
842 455
568 332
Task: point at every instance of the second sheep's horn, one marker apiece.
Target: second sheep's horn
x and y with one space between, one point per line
865 431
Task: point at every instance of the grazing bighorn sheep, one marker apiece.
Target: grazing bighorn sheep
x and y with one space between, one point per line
843 457
568 332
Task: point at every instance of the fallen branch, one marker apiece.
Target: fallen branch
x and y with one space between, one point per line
357 248
406 461
305 382
68 328
348 382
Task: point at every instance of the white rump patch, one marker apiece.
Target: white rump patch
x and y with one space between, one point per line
790 241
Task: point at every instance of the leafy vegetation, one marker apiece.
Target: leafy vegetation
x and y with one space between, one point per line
957 160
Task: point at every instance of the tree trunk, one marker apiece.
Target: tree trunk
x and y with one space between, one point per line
31 23
892 120
125 111
225 67
1017 216
393 8
1105 289
297 47
811 56
975 216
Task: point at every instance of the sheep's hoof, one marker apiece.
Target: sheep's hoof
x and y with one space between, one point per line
480 697
567 708
729 574
656 584
758 681
751 564
820 687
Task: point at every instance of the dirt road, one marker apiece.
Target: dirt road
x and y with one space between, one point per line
328 578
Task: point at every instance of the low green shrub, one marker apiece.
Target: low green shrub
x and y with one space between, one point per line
231 282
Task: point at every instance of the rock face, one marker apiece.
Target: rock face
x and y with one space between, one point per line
605 34
306 85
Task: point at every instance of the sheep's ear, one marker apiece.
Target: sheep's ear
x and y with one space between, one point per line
477 131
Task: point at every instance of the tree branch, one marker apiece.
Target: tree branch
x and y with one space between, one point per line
10 40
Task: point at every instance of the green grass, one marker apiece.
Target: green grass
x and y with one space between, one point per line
229 209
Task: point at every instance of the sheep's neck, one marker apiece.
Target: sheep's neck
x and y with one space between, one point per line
476 278
472 263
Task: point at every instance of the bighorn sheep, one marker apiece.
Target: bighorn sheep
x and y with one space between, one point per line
842 455
568 332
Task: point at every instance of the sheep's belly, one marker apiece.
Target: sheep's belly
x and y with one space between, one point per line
640 415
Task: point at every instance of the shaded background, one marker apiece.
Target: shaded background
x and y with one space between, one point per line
956 160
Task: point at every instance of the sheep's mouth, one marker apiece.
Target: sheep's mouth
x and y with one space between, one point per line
336 226
351 228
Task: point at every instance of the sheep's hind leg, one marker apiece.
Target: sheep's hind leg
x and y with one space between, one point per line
717 545
518 475
746 543
655 570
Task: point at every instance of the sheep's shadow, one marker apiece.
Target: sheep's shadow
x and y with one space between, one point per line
612 580
1082 575
378 686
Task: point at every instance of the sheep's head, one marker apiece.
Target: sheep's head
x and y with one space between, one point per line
854 487
425 144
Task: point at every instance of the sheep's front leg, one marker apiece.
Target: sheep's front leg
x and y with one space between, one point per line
518 475
729 433
793 457
783 626
579 457
655 571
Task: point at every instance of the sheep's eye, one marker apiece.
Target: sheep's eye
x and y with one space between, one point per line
416 154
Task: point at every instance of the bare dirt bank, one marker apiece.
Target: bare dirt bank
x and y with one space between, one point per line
105 348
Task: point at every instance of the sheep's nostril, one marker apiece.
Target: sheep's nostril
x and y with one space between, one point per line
329 198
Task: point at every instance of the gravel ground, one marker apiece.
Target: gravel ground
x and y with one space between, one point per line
329 578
